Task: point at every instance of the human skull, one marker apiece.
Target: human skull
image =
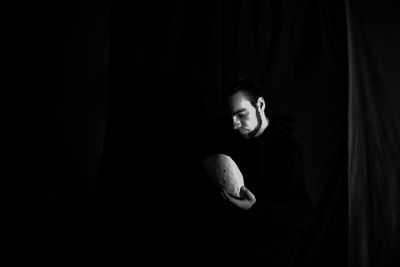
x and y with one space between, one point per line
225 173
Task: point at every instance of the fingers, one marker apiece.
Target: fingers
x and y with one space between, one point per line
228 200
246 192
226 195
246 201
229 196
223 194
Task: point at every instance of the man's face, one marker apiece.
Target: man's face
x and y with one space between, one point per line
245 117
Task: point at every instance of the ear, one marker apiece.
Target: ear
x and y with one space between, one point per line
261 103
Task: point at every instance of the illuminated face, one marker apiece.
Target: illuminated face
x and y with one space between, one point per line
246 118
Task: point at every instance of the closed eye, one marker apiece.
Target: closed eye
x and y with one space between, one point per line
241 115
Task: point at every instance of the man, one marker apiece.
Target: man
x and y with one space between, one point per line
265 225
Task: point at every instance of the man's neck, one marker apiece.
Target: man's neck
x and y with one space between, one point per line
264 125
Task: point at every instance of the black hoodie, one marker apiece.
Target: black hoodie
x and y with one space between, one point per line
277 172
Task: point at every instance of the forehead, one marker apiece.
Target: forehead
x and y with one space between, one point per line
239 101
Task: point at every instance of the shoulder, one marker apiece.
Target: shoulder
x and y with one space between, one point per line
286 143
281 131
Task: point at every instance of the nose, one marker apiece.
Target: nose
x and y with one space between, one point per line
236 123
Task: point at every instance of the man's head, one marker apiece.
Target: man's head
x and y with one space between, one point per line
246 108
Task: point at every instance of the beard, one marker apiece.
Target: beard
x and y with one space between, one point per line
255 131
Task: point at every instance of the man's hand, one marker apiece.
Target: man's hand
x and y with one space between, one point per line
245 203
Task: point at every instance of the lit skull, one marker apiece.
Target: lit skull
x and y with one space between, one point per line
225 173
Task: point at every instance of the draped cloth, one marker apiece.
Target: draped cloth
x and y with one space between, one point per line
100 81
374 133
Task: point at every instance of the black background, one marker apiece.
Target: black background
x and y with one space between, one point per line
120 100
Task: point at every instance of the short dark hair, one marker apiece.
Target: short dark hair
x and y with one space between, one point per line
252 91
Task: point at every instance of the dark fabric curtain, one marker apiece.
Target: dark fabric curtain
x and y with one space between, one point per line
62 104
169 62
120 101
374 133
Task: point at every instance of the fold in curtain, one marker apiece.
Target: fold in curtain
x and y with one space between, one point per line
374 133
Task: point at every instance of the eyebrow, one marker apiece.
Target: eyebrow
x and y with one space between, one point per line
237 112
